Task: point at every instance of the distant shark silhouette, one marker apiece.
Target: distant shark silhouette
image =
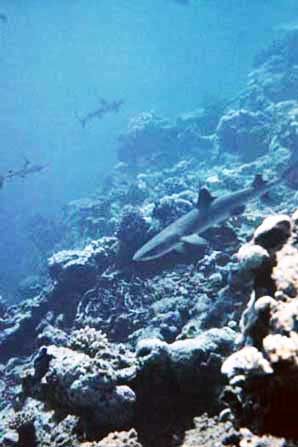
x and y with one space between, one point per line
105 107
26 170
184 232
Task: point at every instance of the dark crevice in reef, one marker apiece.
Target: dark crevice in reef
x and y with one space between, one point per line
164 417
166 410
280 416
27 437
263 283
282 419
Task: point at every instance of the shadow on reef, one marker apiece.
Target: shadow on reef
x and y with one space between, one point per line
279 418
170 391
163 421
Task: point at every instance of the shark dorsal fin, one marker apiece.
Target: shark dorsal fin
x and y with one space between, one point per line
258 181
205 198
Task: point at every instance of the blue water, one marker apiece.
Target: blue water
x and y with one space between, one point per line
57 58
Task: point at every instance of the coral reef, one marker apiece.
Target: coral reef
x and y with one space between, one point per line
262 387
207 432
275 76
151 138
192 364
86 219
117 439
30 287
79 268
133 231
101 343
245 133
73 383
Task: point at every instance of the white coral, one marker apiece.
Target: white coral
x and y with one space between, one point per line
251 256
280 348
246 361
88 340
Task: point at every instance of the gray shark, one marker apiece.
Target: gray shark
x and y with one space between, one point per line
209 211
105 107
27 169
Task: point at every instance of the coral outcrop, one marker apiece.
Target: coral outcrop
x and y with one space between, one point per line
274 78
74 383
245 133
191 365
79 268
262 375
151 138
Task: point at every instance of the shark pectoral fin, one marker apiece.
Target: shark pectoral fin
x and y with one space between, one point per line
238 210
194 239
180 248
186 242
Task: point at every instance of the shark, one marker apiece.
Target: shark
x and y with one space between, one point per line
104 108
209 211
27 169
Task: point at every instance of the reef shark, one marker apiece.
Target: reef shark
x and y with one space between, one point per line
105 107
27 169
209 210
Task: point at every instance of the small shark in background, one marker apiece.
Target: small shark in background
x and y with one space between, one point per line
105 107
184 232
26 170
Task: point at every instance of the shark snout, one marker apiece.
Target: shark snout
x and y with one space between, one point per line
156 247
137 256
144 254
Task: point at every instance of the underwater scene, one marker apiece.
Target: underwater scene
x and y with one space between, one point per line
149 223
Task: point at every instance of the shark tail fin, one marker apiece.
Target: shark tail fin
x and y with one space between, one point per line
258 181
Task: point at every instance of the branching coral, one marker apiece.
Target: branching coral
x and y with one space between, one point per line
89 341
